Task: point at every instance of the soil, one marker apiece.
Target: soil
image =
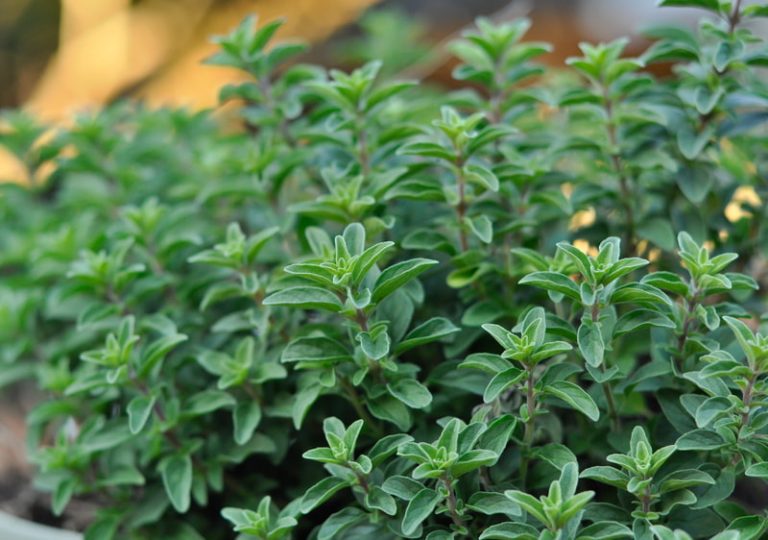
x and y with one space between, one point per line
17 493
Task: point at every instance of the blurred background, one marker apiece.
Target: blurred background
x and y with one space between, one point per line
58 56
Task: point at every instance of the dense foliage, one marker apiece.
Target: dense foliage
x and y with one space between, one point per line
526 309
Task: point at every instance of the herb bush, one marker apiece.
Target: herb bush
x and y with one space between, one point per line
524 309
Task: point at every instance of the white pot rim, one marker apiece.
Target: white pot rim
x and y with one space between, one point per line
21 529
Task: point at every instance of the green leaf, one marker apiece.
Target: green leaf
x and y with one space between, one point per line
553 281
607 475
481 226
711 5
62 495
104 527
321 492
113 434
700 439
501 382
758 470
694 181
246 417
639 293
177 480
496 436
382 94
431 330
368 258
474 459
208 401
502 336
305 298
641 318
339 522
419 508
605 530
510 531
123 476
302 402
482 176
378 499
220 292
743 335
426 149
398 275
392 410
685 478
488 363
623 267
158 350
529 504
575 397
658 231
386 447
579 258
667 281
590 341
491 503
139 409
402 487
710 409
315 350
556 455
411 392
374 347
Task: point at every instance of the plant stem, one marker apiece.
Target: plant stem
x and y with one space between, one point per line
461 207
530 400
362 321
362 146
452 502
354 398
646 500
361 480
610 401
618 167
735 17
688 322
746 398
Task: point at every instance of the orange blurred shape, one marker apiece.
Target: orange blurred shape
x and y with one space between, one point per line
110 46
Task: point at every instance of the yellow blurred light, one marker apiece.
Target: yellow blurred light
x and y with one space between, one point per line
584 246
583 218
12 169
744 194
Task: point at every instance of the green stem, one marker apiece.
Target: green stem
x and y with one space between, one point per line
362 146
452 502
688 326
735 17
461 207
610 401
618 167
354 398
530 400
646 500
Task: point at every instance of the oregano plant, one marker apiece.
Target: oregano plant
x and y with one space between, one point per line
526 305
